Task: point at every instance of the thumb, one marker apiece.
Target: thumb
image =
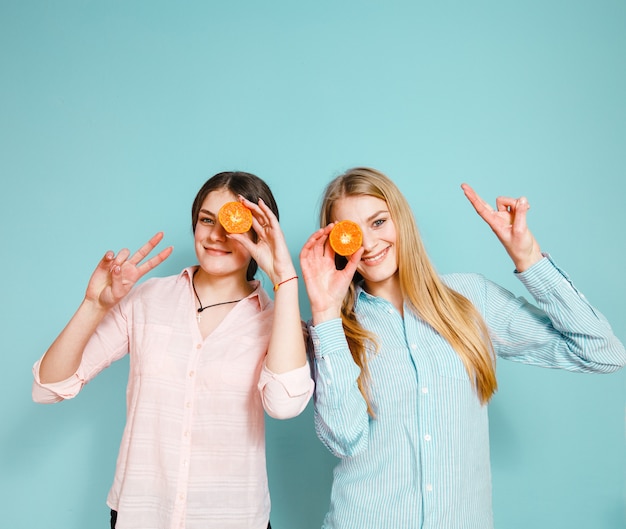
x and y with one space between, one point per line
519 219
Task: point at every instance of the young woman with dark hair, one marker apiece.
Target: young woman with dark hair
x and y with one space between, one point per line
209 353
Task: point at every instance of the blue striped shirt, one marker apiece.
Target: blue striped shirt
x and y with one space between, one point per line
423 462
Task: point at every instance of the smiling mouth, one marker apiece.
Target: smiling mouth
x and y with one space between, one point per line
375 259
217 250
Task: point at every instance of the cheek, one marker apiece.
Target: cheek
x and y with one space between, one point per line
240 251
390 234
197 236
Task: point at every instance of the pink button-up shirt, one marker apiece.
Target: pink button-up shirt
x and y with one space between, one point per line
193 450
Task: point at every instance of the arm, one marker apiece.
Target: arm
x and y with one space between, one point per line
563 331
286 349
112 279
341 418
285 383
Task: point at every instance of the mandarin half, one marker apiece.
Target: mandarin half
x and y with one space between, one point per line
345 238
235 217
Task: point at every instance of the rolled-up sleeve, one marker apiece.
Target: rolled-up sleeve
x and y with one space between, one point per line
108 344
285 395
56 392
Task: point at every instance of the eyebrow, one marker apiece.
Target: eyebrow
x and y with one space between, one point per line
206 212
379 212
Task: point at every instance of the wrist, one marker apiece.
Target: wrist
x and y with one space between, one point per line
282 275
321 316
521 265
94 306
290 279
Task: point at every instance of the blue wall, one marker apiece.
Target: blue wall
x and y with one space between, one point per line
113 113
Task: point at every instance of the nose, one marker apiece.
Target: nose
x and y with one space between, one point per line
369 241
217 233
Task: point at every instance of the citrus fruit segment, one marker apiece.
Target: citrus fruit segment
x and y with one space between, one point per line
235 217
345 238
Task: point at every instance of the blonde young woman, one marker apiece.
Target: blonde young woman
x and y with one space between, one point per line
404 359
209 352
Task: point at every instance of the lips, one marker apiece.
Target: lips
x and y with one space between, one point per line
377 258
216 251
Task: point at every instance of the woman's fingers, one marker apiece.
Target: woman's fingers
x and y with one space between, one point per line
520 210
504 215
140 254
263 217
155 261
120 259
481 207
135 267
509 222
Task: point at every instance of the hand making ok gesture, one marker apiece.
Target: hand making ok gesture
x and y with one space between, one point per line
508 222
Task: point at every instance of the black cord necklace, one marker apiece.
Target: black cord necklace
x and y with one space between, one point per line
202 308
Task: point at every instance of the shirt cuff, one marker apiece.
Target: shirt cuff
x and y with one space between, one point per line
55 391
285 395
543 277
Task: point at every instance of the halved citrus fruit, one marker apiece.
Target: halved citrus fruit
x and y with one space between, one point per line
235 217
345 237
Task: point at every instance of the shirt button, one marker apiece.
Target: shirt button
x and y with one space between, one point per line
429 488
424 390
188 404
427 437
191 374
413 346
199 346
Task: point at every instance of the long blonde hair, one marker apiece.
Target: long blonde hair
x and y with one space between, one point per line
449 313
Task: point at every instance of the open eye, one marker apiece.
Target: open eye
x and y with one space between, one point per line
208 221
378 223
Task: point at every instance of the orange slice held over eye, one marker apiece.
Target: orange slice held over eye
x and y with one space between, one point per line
345 238
235 217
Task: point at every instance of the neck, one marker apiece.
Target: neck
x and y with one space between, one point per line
389 290
214 287
211 290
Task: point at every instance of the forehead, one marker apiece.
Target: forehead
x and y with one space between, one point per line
215 199
358 207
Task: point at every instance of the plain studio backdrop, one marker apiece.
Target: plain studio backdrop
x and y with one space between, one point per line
113 114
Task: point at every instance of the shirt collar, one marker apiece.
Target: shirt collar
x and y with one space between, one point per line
360 294
364 298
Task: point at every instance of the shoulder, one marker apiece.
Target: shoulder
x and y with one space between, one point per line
160 286
465 283
473 286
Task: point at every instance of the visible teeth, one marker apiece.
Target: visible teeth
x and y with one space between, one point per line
376 257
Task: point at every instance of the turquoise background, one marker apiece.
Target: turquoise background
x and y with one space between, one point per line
113 113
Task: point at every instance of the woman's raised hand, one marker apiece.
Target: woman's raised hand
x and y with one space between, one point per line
115 275
508 222
326 286
112 279
270 250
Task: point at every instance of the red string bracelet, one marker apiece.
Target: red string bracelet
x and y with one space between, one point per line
278 284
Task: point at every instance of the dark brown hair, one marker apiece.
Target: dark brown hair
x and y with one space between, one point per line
241 183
